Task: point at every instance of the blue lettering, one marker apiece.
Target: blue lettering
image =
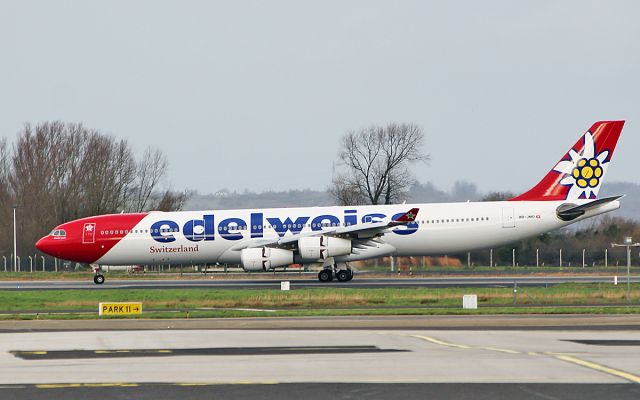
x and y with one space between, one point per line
161 231
350 217
256 225
318 222
281 227
373 218
229 232
199 229
407 229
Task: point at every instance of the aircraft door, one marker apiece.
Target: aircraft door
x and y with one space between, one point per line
89 233
508 220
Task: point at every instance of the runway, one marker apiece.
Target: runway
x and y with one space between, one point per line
316 364
357 282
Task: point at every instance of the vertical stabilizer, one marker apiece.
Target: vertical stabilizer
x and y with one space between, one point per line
579 174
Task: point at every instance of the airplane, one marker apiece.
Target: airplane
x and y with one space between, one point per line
265 239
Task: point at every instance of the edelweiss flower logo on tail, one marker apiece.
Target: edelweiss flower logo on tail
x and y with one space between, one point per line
584 171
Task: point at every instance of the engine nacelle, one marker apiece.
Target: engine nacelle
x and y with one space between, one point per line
322 247
265 258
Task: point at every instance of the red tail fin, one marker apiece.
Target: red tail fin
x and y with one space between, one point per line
579 174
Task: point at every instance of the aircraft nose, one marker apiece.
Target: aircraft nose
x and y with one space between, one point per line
44 245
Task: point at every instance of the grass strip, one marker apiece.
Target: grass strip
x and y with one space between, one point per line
330 301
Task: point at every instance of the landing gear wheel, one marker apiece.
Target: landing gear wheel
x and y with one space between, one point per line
343 275
350 275
98 279
325 275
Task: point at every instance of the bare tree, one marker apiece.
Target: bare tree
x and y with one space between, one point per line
6 198
60 171
151 169
345 192
375 163
171 201
498 196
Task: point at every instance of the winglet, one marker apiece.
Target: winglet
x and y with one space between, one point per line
405 218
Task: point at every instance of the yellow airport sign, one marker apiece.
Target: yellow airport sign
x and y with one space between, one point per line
119 308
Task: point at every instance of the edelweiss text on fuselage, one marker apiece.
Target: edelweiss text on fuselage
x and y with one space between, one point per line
235 228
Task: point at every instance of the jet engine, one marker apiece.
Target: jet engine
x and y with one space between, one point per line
322 247
265 258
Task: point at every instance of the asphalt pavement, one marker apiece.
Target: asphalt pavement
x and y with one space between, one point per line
357 282
318 364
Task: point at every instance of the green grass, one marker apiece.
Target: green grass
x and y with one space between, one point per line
163 303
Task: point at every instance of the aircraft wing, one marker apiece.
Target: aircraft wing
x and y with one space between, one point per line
358 231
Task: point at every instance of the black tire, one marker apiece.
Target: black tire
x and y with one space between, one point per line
98 279
342 275
350 275
325 275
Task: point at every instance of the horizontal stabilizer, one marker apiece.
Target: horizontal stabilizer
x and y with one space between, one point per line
569 212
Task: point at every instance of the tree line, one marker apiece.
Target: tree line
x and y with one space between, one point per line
56 171
594 237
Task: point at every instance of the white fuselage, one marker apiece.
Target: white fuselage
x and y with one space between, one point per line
217 236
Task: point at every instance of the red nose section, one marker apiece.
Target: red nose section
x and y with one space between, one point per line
55 247
44 246
89 239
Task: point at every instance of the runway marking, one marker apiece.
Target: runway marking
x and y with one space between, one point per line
500 350
560 356
192 384
58 385
598 367
442 343
122 384
111 351
464 346
109 384
225 383
77 385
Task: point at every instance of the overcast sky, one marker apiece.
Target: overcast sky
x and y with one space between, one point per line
256 94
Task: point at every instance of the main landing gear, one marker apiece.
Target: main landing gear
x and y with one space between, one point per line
342 275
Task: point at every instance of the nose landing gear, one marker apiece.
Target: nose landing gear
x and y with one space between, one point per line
98 278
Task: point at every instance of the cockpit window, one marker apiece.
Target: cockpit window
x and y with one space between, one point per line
58 232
